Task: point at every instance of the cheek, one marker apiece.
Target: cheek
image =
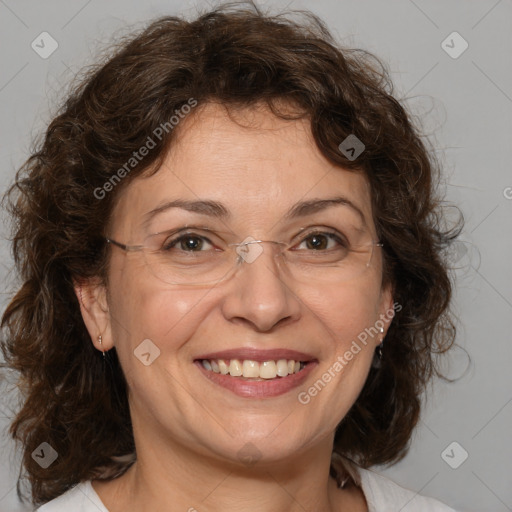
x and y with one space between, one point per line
346 311
147 310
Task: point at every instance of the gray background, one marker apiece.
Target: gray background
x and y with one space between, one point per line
463 103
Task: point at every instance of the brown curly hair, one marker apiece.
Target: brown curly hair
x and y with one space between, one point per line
239 57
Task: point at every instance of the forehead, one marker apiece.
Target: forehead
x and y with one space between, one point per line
251 161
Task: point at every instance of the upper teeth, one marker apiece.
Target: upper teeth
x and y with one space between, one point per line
248 368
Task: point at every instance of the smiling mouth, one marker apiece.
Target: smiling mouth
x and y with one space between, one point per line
247 369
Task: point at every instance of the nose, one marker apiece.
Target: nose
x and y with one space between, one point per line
258 294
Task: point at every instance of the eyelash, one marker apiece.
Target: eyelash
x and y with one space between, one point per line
172 243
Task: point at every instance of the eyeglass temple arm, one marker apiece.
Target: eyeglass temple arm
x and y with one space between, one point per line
124 247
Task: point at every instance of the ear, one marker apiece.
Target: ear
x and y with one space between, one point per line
92 297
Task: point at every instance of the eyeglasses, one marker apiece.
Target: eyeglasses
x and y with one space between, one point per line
191 256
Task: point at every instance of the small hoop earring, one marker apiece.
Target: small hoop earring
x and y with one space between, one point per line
381 344
101 345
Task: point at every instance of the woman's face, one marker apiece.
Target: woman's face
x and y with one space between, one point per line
262 312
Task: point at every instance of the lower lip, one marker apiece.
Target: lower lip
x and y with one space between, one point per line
258 388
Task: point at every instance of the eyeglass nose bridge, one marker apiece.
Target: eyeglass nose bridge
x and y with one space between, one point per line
250 249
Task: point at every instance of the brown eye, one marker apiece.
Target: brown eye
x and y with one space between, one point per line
187 243
321 242
317 242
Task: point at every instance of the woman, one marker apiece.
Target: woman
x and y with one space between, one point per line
232 284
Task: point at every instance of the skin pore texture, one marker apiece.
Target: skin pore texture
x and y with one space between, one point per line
189 430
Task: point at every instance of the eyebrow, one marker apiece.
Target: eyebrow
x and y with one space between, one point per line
218 210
